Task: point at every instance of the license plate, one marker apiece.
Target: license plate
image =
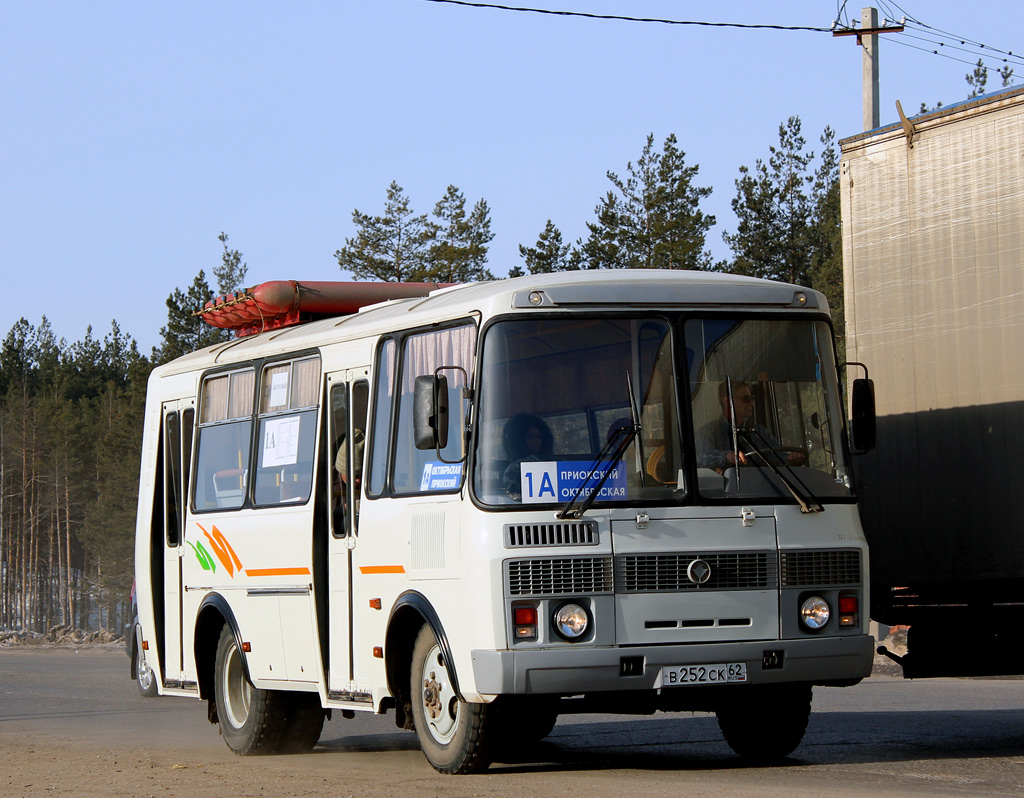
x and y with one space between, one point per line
721 673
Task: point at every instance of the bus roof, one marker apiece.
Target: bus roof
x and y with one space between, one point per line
619 289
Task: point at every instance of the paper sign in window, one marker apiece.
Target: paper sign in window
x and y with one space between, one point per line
279 389
281 441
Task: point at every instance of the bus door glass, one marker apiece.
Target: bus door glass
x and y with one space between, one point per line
176 448
348 395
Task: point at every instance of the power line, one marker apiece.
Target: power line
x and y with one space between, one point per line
630 19
966 41
933 52
942 41
970 49
842 21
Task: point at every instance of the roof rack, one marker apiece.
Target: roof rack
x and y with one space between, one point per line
284 303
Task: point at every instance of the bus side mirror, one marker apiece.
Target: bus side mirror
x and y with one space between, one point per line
862 424
430 412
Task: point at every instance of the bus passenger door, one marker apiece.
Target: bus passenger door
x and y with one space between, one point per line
176 452
348 392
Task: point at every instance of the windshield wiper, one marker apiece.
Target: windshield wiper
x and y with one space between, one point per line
627 434
808 501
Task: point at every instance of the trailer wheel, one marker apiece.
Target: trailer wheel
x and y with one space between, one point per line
251 720
454 735
766 723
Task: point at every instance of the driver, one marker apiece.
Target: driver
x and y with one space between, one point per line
714 440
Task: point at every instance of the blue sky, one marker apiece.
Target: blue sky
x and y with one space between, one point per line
132 134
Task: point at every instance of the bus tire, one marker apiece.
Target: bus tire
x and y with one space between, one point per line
766 723
250 719
455 735
524 720
303 724
145 679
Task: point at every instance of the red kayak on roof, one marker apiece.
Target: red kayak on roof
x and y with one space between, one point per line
283 303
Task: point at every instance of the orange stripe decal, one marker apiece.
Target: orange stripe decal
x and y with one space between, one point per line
277 572
382 569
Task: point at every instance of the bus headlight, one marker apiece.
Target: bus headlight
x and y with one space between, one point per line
571 621
814 613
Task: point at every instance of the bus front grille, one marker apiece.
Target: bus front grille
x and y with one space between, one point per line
556 576
820 568
575 533
657 573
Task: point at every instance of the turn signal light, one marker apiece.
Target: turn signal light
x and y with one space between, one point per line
524 621
848 607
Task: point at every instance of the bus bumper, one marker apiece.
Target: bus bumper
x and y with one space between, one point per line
586 669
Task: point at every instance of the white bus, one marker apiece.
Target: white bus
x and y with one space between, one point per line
500 502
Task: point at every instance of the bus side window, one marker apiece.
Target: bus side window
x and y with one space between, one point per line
286 439
225 430
382 401
421 470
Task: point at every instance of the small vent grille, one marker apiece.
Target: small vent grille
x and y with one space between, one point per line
561 576
656 573
820 568
573 534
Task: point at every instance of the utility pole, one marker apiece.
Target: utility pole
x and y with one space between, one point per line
869 21
867 37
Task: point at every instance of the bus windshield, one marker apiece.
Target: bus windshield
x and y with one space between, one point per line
555 393
765 407
556 415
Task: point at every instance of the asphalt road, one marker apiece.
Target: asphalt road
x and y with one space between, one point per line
72 723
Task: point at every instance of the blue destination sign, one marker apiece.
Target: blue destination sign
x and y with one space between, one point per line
559 481
441 476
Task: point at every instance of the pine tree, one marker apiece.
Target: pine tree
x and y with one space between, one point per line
774 212
186 332
826 233
652 217
604 248
549 254
977 80
457 252
391 247
70 434
231 272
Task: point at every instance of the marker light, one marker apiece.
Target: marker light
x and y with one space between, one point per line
814 613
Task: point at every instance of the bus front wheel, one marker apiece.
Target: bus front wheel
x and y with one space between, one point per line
249 718
766 723
454 735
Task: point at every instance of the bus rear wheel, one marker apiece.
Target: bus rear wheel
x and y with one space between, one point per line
145 679
250 719
454 735
766 723
304 723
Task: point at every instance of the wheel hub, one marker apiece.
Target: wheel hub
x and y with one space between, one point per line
432 696
438 697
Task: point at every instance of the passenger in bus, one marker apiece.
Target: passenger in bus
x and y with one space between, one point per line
527 439
714 440
341 474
